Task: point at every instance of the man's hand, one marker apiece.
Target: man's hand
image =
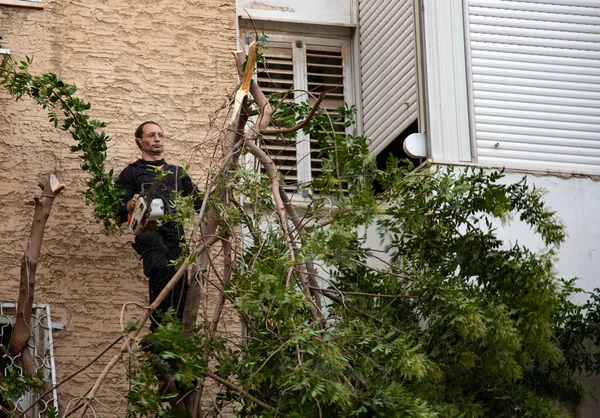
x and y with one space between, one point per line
131 204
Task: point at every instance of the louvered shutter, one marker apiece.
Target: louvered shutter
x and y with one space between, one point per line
535 71
325 73
388 69
301 67
276 75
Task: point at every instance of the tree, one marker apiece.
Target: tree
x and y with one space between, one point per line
442 320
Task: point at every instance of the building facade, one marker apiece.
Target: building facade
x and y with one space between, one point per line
489 83
134 61
485 83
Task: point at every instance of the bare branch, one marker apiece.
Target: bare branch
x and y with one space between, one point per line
297 127
273 174
237 389
374 295
22 328
72 375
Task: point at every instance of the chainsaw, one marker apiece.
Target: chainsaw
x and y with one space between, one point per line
148 210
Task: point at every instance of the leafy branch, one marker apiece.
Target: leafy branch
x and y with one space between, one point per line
58 98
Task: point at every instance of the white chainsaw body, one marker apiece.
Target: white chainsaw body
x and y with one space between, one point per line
144 217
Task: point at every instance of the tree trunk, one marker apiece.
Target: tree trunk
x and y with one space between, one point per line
22 328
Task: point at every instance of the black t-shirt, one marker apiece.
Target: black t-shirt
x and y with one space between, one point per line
141 172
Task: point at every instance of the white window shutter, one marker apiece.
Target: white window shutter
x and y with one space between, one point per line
305 67
535 79
388 69
276 75
325 74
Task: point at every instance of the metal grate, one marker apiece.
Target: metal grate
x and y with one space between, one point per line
41 347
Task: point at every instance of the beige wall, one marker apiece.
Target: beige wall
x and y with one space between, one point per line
168 61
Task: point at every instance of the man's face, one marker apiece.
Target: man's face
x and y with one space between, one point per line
153 139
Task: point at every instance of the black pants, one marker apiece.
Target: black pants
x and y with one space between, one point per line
159 272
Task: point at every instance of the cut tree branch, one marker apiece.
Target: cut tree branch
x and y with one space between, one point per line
278 131
237 389
375 295
43 205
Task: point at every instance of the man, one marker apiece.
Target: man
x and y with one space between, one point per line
160 247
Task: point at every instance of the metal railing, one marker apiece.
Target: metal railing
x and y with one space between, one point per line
41 348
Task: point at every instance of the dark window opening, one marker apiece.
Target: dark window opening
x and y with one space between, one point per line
396 149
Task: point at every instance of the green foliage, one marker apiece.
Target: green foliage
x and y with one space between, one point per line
58 98
470 325
14 384
453 323
165 352
52 412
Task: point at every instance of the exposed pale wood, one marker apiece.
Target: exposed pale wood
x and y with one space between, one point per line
55 185
242 92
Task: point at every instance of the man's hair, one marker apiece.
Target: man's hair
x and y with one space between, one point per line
140 129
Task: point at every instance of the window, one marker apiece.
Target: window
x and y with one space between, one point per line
41 347
534 70
305 67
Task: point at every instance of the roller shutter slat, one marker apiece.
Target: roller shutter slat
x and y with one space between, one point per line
542 108
502 137
534 50
535 71
539 115
388 68
506 58
528 89
505 63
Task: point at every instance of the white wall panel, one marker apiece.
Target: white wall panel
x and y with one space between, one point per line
321 12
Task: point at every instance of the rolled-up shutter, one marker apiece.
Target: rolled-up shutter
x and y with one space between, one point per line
388 69
535 72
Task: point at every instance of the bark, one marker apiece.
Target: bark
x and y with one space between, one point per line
227 267
43 205
310 268
197 270
231 151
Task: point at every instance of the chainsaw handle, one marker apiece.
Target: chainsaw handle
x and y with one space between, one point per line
131 204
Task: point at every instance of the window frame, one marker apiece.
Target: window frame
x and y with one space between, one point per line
33 4
323 42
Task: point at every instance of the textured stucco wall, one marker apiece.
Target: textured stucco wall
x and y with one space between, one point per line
168 61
